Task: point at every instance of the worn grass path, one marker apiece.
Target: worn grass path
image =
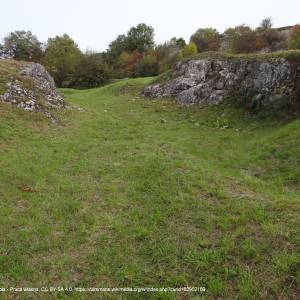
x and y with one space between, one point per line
144 193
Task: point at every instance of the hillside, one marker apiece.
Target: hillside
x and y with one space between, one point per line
132 192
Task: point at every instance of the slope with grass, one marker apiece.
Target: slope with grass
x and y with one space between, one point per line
133 192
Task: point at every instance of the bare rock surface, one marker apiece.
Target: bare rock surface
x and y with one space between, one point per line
33 89
211 81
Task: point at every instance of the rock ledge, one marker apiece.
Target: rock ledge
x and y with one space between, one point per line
259 83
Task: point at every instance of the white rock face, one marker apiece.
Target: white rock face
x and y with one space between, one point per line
210 81
33 90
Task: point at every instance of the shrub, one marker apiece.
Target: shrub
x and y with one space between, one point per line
206 39
147 66
169 53
272 39
91 72
190 50
242 39
168 61
295 38
127 64
269 38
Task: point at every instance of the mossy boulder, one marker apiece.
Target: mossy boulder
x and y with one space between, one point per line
30 87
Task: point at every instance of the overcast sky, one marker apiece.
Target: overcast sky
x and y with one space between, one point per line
95 23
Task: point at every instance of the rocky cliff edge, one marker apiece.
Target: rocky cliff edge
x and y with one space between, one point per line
255 82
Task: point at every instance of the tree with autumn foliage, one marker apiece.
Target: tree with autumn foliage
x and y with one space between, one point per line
127 50
295 37
240 39
267 37
189 50
169 53
127 64
206 39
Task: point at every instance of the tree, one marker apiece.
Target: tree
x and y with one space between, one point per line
190 50
169 53
91 72
1 51
62 58
116 47
176 43
125 50
228 37
22 45
268 38
140 38
245 43
180 43
241 39
206 39
127 64
266 23
295 38
272 39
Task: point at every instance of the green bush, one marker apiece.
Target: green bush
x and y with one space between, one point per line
91 72
206 39
62 58
147 66
295 38
190 50
169 53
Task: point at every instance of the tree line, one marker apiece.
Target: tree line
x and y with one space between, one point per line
135 54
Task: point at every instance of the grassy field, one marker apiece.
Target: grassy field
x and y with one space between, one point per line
140 193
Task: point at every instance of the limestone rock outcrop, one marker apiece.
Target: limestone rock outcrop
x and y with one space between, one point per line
33 89
258 83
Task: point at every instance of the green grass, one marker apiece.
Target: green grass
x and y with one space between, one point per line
292 55
133 192
8 68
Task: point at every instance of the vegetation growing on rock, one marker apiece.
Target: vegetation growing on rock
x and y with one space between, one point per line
269 82
30 87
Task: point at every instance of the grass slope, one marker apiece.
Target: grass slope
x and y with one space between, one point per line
8 68
290 55
134 192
